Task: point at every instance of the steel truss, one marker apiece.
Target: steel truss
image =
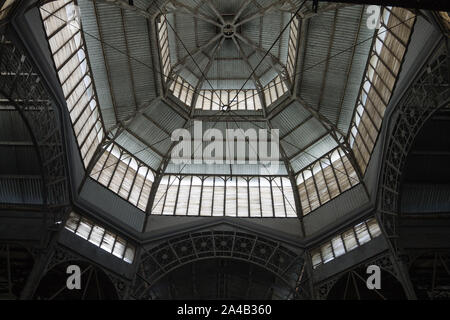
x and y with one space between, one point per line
22 85
429 271
62 254
158 261
27 93
384 261
429 92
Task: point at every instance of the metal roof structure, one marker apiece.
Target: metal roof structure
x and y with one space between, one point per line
92 93
252 65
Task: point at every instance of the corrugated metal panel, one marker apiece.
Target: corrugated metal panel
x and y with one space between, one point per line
313 153
272 25
151 134
316 60
141 62
96 59
19 160
183 24
303 136
424 198
358 66
290 117
319 33
333 210
24 190
165 117
139 150
110 203
110 23
12 127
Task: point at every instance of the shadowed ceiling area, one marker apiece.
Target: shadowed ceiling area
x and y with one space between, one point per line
221 279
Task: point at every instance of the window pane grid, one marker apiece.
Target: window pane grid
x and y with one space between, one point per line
345 242
383 67
124 175
100 237
225 196
325 179
70 58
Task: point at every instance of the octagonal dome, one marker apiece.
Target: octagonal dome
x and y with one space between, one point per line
132 75
227 51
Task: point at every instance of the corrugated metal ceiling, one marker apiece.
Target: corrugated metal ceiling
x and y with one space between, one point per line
123 69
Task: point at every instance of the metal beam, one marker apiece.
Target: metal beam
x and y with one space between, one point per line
327 124
128 120
275 5
192 54
195 13
274 61
203 77
241 9
108 73
253 75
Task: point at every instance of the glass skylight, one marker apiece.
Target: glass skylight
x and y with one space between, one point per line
100 237
345 242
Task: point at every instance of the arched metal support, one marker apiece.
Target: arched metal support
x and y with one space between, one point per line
173 253
385 261
429 92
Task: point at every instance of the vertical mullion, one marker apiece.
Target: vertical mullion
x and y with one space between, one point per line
115 167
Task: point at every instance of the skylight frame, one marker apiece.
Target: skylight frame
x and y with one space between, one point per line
101 237
67 46
262 197
125 175
374 96
185 92
344 242
317 184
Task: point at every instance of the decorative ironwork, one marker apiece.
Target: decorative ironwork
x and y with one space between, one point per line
26 91
173 253
384 261
429 92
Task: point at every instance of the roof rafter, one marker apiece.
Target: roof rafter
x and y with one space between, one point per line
194 13
204 73
127 121
275 5
184 59
133 87
327 124
274 61
108 73
253 75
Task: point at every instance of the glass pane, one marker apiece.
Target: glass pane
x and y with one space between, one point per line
108 241
72 221
327 252
362 233
316 258
129 254
374 228
338 246
96 235
119 247
349 240
84 228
